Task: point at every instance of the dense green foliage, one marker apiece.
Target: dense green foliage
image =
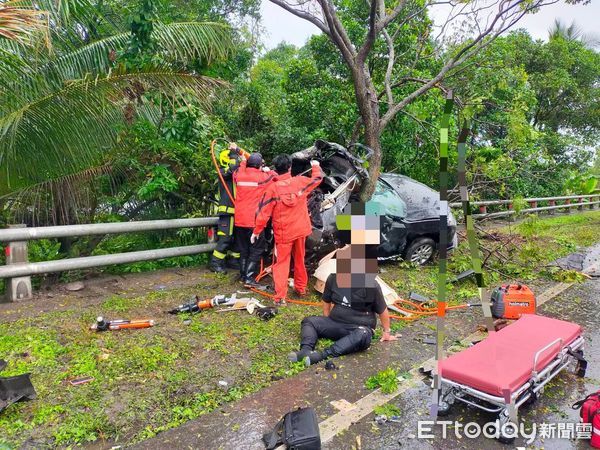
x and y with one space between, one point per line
532 104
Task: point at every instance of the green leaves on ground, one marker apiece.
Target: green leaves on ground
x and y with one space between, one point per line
386 380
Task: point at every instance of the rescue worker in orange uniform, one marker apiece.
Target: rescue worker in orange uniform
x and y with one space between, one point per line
285 202
251 181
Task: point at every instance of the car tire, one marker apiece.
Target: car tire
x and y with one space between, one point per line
420 251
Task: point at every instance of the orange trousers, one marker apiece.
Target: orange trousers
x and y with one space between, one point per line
281 268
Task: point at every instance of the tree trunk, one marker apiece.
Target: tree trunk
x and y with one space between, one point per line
373 140
368 105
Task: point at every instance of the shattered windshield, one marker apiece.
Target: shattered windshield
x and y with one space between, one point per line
388 200
422 202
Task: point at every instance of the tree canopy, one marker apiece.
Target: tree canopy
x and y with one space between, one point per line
110 109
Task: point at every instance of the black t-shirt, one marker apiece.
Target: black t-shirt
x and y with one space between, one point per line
357 305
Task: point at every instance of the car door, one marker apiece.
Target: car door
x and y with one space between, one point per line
393 211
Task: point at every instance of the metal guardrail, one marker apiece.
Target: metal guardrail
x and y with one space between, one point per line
18 270
87 262
582 201
28 234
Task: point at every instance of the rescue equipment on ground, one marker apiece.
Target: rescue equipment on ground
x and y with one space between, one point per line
237 304
266 313
589 411
196 305
511 301
15 389
298 430
231 303
120 324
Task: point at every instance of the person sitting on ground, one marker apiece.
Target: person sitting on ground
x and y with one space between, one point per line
351 303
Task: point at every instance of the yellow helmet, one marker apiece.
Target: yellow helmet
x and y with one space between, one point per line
224 158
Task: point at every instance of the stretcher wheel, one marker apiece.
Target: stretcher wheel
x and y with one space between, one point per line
443 409
505 439
504 422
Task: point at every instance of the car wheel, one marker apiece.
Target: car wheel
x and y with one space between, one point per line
420 251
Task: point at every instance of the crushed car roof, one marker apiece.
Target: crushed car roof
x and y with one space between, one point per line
422 202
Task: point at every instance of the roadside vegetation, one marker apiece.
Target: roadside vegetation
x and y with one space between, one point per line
147 381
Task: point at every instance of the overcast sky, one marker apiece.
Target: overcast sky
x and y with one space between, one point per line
283 26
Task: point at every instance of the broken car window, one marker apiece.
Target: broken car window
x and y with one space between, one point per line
391 204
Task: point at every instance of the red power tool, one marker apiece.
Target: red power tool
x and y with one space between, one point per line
510 301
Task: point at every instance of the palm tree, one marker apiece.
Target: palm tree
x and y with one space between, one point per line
18 22
62 107
572 33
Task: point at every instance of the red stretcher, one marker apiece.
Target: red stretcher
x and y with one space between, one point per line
511 367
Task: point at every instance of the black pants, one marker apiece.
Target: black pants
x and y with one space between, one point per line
348 338
248 251
225 241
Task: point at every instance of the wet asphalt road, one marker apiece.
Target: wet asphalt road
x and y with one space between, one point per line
580 304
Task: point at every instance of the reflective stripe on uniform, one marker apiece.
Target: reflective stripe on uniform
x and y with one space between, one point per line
226 209
218 254
234 254
221 233
247 183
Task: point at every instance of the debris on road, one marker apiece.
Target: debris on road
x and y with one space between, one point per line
382 419
75 286
78 381
267 313
15 389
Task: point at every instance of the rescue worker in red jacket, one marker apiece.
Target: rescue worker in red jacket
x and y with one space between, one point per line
285 202
229 160
251 180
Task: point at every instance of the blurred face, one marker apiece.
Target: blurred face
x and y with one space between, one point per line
356 265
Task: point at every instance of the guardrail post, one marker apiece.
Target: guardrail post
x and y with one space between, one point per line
17 288
580 200
568 209
532 205
510 217
482 209
211 235
551 203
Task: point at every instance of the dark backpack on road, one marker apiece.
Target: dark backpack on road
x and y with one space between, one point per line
297 430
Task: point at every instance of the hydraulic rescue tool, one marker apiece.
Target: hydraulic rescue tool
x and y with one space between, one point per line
197 305
120 324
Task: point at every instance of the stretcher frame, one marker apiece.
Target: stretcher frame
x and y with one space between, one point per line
530 391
